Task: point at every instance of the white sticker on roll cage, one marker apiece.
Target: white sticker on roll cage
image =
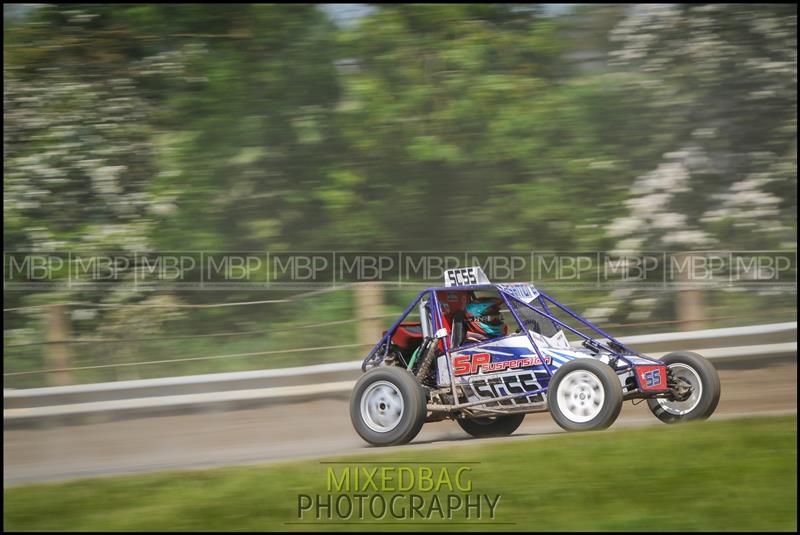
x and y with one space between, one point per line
524 292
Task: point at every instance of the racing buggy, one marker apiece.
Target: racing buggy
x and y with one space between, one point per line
453 354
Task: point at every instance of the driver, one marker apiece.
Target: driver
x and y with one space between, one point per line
484 319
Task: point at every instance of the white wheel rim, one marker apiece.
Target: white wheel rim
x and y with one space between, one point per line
382 406
580 396
688 374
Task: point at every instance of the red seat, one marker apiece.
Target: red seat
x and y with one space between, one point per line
407 335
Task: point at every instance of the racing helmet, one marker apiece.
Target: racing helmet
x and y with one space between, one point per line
484 318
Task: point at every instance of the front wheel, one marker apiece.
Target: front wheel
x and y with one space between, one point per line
388 406
491 426
696 389
584 395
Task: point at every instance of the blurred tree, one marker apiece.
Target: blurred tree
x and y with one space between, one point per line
459 119
246 123
724 82
164 127
232 104
78 139
79 143
418 127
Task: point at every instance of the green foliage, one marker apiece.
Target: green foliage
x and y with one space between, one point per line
266 127
421 127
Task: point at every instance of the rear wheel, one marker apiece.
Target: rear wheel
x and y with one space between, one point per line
696 393
388 406
491 426
584 395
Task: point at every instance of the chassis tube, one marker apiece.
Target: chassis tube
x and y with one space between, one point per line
482 402
391 330
445 341
575 331
543 303
592 326
526 331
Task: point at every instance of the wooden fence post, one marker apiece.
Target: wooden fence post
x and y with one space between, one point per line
369 303
57 351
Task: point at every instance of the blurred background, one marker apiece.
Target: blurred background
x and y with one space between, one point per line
503 132
364 127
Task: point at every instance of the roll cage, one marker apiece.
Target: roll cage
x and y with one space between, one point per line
519 294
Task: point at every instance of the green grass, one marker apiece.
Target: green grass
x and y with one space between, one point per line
727 475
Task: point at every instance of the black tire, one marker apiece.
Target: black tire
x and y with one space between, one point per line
709 396
386 388
610 403
491 426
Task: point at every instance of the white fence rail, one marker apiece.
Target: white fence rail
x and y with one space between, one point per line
249 388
